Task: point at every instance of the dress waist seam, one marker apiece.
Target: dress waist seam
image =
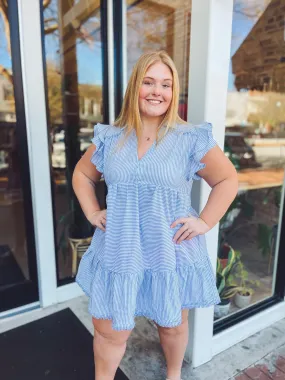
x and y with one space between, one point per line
187 192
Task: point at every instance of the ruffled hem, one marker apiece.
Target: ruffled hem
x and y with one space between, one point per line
159 296
202 142
98 156
101 133
140 314
205 142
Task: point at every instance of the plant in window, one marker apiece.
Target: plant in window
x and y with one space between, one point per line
243 285
243 213
224 282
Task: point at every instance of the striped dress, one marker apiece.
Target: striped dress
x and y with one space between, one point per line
135 268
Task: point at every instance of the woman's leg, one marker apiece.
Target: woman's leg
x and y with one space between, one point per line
174 342
109 348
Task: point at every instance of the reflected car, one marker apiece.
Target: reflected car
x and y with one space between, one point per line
58 147
239 152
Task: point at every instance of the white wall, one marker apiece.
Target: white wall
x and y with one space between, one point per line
208 83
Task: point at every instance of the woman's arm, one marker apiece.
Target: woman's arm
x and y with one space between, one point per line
221 175
84 178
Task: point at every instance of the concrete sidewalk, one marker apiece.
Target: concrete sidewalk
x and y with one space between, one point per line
272 366
257 357
261 356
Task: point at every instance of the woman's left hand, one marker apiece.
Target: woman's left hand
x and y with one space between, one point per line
192 227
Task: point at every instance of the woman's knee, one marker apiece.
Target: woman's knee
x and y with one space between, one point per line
103 331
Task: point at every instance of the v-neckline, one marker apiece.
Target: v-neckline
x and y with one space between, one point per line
137 150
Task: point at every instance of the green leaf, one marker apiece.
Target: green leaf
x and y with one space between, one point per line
222 285
230 263
219 266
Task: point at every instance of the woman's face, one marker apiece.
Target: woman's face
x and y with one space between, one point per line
156 91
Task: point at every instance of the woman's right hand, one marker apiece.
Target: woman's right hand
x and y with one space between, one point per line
98 219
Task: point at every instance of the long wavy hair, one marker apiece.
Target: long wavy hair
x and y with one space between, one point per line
129 116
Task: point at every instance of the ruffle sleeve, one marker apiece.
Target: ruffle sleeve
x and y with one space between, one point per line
101 139
203 142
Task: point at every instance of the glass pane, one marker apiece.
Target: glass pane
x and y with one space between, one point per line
74 85
14 267
254 142
161 25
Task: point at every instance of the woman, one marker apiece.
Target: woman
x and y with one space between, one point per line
148 254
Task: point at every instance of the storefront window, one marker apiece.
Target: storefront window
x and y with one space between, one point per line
255 143
14 268
75 73
161 25
73 58
18 269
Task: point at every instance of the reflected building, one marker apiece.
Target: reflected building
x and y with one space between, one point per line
259 62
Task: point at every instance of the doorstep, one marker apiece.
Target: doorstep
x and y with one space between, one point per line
262 354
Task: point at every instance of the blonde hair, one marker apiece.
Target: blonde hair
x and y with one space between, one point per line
129 116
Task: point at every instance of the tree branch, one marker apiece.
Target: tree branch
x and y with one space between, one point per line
50 19
6 74
4 14
46 3
4 7
50 29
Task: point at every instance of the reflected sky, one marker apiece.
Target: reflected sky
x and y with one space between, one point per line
242 25
89 54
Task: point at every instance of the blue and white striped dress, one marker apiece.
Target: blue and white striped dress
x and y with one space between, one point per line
134 268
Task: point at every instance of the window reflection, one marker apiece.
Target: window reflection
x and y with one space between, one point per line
254 142
73 50
14 265
161 25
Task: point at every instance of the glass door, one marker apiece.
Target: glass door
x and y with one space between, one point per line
250 257
160 25
75 57
18 272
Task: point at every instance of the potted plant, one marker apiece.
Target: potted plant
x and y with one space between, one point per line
75 232
224 284
226 292
243 285
75 237
243 207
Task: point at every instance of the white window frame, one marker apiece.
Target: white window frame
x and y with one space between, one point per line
210 44
38 147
